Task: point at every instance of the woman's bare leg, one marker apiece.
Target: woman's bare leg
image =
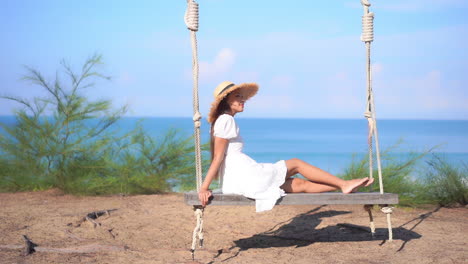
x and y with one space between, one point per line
318 176
297 185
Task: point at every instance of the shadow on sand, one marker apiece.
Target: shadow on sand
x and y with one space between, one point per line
301 231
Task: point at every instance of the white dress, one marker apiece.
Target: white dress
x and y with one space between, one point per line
242 175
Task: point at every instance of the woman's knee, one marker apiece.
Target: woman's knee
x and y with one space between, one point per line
293 165
295 185
295 160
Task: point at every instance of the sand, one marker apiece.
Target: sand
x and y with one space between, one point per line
158 229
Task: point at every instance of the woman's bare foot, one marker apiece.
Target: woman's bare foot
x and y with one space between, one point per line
352 185
367 183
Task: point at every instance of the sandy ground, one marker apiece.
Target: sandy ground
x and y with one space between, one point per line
158 229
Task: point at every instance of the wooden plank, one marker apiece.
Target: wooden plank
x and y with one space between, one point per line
191 198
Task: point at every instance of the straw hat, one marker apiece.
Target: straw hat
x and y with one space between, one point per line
226 87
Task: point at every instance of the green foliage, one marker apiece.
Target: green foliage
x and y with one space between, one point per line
64 140
142 164
51 147
396 175
443 183
16 175
446 184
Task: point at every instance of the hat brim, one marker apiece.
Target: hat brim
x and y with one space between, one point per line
248 91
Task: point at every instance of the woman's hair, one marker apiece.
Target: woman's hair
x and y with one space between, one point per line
223 107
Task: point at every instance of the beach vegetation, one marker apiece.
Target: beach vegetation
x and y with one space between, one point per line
66 140
439 182
397 174
446 184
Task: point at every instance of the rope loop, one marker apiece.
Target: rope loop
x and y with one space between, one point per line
191 15
387 209
365 4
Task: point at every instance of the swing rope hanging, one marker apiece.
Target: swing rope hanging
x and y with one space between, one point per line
191 21
366 199
367 37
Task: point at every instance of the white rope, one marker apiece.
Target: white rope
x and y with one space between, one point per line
388 210
191 21
367 37
367 23
191 15
370 123
198 231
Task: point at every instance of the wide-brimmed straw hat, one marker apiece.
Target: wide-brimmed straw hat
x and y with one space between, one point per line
223 89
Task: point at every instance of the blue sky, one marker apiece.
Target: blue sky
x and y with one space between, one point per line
306 56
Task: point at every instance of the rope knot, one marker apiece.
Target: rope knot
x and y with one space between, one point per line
387 210
191 15
196 119
367 114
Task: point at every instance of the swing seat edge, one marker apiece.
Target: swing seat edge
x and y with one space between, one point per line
218 198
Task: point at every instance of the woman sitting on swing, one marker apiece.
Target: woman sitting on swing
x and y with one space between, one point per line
264 182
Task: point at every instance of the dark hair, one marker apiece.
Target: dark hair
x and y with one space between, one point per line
222 108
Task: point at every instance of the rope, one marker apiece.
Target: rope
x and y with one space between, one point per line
367 37
388 210
191 21
370 122
191 15
368 208
367 23
198 231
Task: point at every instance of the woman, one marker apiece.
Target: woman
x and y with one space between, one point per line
264 182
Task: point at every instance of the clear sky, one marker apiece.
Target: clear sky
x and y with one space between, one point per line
306 55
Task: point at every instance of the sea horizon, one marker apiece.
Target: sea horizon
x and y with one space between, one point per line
298 118
330 144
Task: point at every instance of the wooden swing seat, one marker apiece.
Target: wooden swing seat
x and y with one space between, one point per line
218 198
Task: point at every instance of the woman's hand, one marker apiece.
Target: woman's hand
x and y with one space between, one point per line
204 195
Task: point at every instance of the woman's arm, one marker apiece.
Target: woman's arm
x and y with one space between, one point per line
220 146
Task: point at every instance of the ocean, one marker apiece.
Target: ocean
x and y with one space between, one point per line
330 144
